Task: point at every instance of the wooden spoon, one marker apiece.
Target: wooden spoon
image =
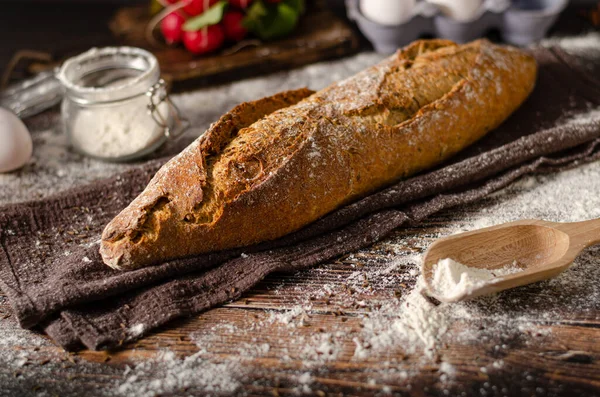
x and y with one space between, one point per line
541 249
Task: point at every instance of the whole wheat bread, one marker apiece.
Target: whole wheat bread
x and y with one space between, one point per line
270 167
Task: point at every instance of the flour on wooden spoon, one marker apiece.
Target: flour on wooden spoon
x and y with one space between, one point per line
452 279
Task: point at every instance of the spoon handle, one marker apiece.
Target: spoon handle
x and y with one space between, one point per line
582 234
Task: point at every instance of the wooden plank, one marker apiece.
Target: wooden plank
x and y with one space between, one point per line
545 364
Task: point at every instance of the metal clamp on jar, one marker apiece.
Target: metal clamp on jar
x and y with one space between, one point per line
115 106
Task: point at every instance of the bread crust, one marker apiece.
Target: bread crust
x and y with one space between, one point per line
270 167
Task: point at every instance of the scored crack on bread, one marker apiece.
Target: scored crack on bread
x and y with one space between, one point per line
270 167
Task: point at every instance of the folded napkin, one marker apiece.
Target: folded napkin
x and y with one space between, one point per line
55 280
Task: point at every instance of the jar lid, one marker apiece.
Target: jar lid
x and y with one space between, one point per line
109 74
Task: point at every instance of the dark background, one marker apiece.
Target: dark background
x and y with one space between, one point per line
65 28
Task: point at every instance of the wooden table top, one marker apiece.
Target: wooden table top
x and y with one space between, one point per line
297 333
308 332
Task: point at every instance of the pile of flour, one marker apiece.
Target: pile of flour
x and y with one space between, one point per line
452 280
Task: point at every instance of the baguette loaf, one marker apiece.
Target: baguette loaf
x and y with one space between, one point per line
270 167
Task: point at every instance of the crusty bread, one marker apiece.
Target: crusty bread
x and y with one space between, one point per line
270 167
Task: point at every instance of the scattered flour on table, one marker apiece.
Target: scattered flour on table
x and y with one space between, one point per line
576 44
17 345
413 323
168 374
53 168
30 365
136 330
587 45
448 371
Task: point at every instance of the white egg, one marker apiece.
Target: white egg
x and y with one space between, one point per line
459 10
15 142
388 12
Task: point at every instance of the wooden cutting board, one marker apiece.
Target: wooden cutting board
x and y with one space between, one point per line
320 35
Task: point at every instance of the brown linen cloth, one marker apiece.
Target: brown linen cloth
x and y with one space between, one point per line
52 273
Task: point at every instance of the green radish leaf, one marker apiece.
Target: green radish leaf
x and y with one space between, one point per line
286 21
273 21
297 5
212 16
255 14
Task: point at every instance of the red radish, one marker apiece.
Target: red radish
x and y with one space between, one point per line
243 4
232 24
171 26
197 7
204 40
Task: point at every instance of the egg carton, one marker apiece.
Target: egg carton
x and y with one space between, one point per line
521 22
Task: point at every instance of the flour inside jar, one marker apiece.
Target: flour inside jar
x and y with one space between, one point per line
115 106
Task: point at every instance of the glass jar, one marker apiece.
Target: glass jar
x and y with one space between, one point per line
115 104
